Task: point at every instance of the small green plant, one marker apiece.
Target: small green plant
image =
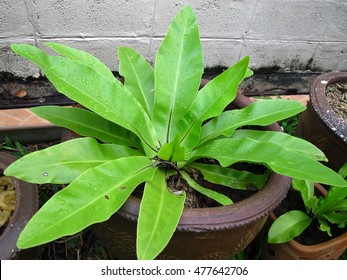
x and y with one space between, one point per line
328 210
156 125
14 147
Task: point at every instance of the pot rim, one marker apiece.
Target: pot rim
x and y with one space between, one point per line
27 204
321 106
238 214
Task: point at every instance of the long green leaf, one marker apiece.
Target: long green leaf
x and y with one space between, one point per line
324 225
343 171
210 102
178 70
335 194
262 112
220 198
82 57
87 123
340 206
306 189
338 218
288 226
93 197
138 77
333 198
284 140
159 215
281 160
88 87
229 177
62 163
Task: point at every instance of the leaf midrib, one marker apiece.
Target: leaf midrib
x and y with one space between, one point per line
172 105
143 94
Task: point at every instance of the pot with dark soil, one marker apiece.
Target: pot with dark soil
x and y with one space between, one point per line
160 135
324 122
18 203
311 223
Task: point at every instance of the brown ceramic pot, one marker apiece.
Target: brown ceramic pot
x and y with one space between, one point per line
209 233
293 250
320 125
27 204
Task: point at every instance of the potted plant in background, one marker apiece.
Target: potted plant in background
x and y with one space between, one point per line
18 203
324 211
162 139
324 122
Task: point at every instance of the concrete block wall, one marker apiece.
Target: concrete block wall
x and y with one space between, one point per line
287 35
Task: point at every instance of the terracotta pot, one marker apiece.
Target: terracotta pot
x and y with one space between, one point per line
27 204
293 250
321 126
208 233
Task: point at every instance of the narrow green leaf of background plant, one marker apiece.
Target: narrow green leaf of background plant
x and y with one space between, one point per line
178 70
62 163
82 57
248 73
88 87
138 77
159 215
288 226
324 225
343 171
281 160
334 195
306 189
337 218
262 112
229 177
172 151
210 102
93 197
220 198
339 206
284 140
87 123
